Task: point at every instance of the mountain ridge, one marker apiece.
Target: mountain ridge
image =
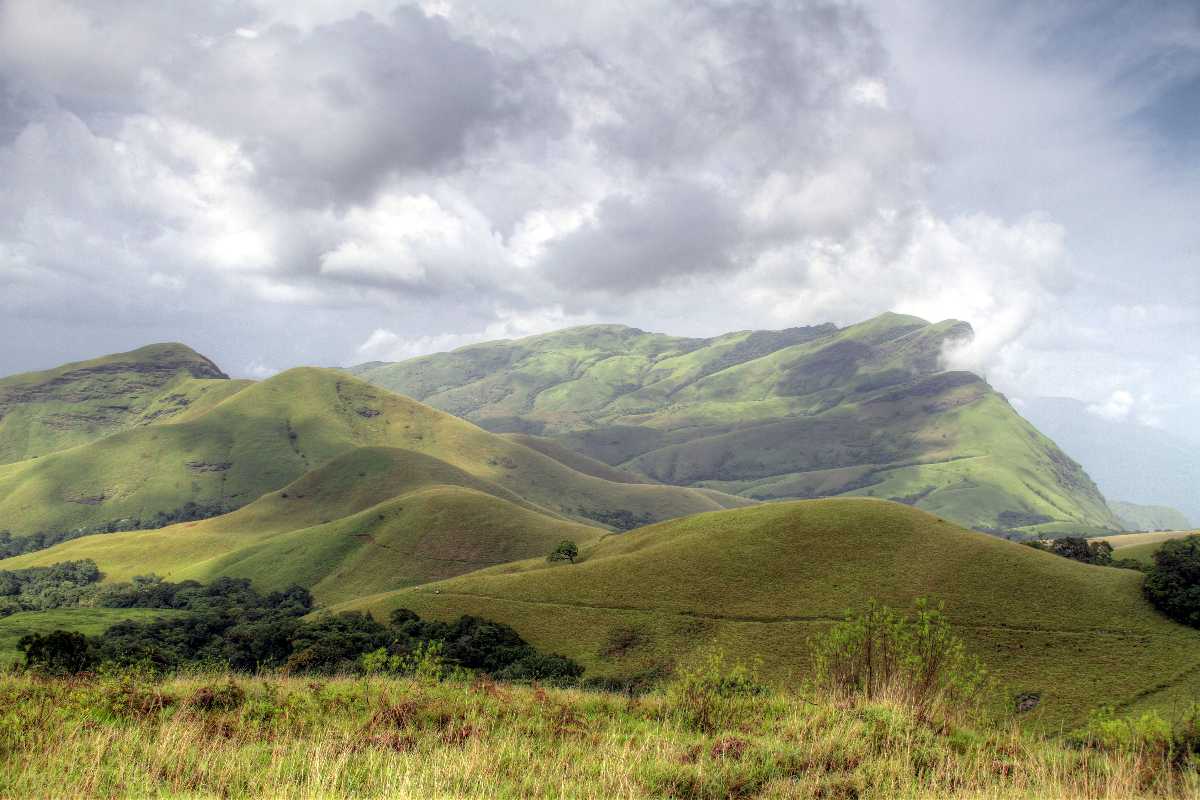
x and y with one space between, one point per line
801 412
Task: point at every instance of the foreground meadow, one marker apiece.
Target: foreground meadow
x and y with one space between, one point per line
214 735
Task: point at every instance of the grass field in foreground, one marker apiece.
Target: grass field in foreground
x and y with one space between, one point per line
399 738
762 581
91 621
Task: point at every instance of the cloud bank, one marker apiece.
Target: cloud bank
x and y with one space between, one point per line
281 183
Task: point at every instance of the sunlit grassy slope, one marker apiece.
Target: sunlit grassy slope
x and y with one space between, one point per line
91 621
370 520
42 412
271 433
1143 546
759 582
802 412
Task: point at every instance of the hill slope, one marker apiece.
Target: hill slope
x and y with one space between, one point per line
1137 517
802 412
42 412
270 434
761 581
370 520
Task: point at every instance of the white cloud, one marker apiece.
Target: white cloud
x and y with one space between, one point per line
246 170
1117 407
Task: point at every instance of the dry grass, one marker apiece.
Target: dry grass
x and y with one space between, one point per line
305 738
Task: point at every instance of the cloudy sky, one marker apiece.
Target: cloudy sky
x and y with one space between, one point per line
281 183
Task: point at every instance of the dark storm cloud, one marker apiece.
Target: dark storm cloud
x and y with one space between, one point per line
677 228
331 114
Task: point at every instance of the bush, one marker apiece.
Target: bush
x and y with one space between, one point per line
1086 551
218 698
1149 735
57 652
917 660
1173 584
711 696
566 551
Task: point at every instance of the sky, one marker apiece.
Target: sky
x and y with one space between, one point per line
282 183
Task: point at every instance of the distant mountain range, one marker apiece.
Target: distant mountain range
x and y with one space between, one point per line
1130 462
797 413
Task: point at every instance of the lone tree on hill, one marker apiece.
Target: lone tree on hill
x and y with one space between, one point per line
566 551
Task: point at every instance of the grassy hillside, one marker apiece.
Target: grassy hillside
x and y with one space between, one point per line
1136 517
43 412
271 433
1143 546
760 581
372 519
803 412
90 621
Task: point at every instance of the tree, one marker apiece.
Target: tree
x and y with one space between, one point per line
566 551
57 652
1077 548
1173 584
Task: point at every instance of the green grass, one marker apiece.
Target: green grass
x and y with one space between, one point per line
770 414
272 433
91 621
44 412
307 737
762 581
1143 546
370 520
1138 517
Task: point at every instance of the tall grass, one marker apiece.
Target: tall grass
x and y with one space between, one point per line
216 735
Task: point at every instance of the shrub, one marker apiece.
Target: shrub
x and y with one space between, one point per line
566 551
711 696
917 660
1083 550
57 652
1173 584
218 698
1149 735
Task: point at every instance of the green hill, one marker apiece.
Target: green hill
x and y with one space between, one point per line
1138 517
803 412
371 520
318 478
1143 546
760 581
271 433
42 412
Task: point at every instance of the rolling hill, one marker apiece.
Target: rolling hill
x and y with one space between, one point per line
1143 546
43 412
758 582
318 478
270 434
1137 517
375 518
803 412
